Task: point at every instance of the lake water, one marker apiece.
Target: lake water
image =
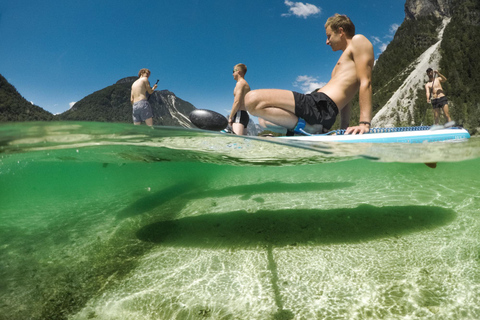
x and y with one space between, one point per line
115 221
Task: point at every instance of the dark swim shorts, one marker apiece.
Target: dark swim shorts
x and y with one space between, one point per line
141 111
439 102
316 108
241 117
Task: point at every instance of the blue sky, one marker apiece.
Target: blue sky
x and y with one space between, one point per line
57 52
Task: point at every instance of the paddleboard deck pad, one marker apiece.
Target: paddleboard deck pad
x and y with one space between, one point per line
390 135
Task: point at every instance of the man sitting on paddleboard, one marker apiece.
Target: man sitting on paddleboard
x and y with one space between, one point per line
141 108
315 112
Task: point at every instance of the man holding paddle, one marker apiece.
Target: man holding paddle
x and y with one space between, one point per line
316 112
434 90
141 108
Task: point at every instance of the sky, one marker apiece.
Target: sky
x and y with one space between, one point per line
56 52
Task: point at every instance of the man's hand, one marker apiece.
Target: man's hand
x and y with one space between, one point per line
360 129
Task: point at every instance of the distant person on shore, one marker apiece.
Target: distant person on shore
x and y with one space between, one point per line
316 112
436 96
141 108
239 118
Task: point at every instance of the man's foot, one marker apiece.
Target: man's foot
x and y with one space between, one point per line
315 129
300 127
449 124
304 128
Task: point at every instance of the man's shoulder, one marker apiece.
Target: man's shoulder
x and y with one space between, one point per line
242 83
360 38
360 42
139 80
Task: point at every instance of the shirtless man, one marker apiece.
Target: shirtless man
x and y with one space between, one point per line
141 108
239 118
316 112
434 90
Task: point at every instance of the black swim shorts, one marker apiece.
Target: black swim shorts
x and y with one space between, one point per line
241 117
316 108
439 102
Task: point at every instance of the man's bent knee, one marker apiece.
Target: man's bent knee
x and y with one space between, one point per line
251 101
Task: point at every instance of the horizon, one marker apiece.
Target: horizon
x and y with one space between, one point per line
67 51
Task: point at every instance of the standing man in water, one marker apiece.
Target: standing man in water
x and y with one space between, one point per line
239 118
141 108
316 112
434 90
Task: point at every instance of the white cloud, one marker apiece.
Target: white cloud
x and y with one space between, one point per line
382 44
393 28
376 40
300 9
307 83
71 105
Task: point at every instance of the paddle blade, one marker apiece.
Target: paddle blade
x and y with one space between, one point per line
432 165
208 120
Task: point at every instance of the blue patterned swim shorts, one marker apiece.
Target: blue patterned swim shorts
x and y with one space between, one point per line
141 111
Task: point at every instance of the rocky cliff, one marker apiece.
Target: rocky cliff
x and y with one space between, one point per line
441 34
421 8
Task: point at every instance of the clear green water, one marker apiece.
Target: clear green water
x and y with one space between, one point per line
110 221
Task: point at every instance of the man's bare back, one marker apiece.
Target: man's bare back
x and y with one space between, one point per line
139 89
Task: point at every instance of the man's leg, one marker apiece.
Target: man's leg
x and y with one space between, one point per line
149 122
445 112
436 115
267 125
238 128
277 106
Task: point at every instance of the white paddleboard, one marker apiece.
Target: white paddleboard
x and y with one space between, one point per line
395 136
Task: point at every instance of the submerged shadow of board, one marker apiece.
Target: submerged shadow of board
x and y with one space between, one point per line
291 227
184 192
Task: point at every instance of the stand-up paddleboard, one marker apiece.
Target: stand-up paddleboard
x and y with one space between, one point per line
208 120
390 135
211 120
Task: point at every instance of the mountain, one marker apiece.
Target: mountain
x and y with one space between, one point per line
14 107
441 34
112 104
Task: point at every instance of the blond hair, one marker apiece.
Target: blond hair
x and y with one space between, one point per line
338 21
243 69
143 71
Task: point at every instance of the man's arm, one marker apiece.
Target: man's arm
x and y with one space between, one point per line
363 57
442 77
345 116
149 89
427 90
